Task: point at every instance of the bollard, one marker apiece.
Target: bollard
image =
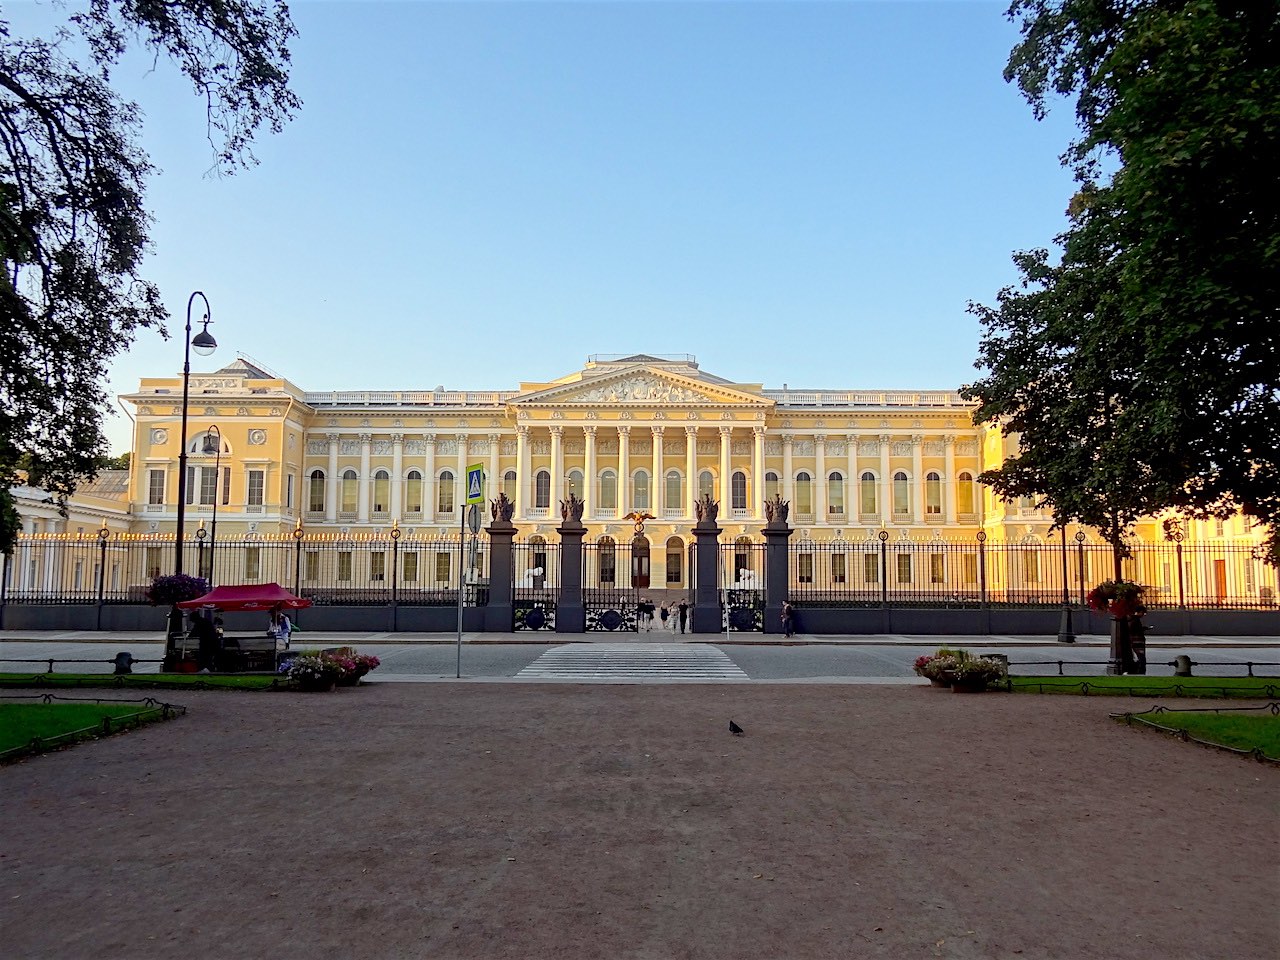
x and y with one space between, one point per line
1182 666
124 662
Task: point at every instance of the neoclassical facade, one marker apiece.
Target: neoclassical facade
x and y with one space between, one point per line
625 433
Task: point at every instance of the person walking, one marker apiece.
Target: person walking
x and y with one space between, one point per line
664 613
684 613
284 629
788 618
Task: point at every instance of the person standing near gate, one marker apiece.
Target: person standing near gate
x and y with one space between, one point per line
664 614
788 619
684 613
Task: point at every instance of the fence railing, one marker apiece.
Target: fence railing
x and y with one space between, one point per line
975 573
325 569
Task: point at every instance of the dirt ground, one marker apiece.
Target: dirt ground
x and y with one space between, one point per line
512 820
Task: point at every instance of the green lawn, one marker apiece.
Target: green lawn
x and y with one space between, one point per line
59 723
162 681
1216 687
1243 731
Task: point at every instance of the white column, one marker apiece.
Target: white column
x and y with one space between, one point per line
495 466
656 496
624 472
726 486
331 481
460 478
365 481
591 486
853 486
524 498
788 482
690 469
949 479
886 483
397 471
820 468
429 496
917 468
757 473
557 468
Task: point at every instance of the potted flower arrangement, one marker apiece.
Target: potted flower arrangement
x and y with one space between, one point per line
940 667
364 663
345 666
1120 598
311 673
176 588
976 673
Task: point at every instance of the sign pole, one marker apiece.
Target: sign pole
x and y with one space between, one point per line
474 497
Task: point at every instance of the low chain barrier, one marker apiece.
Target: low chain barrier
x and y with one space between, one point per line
1248 664
151 710
1138 690
1145 718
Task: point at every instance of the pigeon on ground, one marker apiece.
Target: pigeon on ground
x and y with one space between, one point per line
735 729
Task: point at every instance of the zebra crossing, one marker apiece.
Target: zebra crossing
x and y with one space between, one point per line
635 662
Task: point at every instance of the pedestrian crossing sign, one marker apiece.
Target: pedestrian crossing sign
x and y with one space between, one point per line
475 483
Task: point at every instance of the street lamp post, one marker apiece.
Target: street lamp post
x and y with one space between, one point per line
213 444
1066 629
204 344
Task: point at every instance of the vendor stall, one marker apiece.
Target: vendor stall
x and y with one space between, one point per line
246 651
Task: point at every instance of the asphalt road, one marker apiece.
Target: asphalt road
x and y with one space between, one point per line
759 662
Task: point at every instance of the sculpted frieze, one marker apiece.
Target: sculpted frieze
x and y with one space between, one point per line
639 389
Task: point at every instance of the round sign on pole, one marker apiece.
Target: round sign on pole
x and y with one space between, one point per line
473 518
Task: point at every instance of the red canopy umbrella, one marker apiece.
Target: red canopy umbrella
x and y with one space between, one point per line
247 596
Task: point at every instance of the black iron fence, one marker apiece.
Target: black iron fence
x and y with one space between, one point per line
974 573
326 569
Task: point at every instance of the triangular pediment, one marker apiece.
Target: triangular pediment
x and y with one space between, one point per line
641 385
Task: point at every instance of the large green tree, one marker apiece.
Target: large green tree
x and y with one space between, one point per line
1170 268
73 219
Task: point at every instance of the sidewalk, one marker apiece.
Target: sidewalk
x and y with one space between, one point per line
333 639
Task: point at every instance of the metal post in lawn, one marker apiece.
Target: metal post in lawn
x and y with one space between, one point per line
1066 630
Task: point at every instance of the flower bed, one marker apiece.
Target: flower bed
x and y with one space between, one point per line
316 670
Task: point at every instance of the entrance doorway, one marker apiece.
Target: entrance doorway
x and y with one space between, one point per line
640 562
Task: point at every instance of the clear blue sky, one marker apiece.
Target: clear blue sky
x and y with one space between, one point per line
476 194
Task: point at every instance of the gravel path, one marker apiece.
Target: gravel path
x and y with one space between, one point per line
530 821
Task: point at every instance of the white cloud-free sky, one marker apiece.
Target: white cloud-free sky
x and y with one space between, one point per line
476 194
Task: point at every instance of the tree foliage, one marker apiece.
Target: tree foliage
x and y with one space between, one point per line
1168 290
73 220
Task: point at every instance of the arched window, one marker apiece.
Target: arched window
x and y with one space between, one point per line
932 494
574 484
413 492
835 492
641 487
804 493
609 492
509 484
771 486
608 559
381 492
315 496
350 490
901 502
738 490
964 494
868 493
444 501
542 490
675 490
675 560
706 484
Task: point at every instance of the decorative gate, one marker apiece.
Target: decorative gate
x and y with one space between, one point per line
742 565
609 593
535 572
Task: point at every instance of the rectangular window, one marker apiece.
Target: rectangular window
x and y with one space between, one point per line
378 565
442 566
837 568
344 565
805 567
937 568
155 486
288 491
1031 564
77 575
870 568
904 568
226 485
208 485
313 565
152 561
257 484
970 568
252 563
607 566
410 567
673 566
